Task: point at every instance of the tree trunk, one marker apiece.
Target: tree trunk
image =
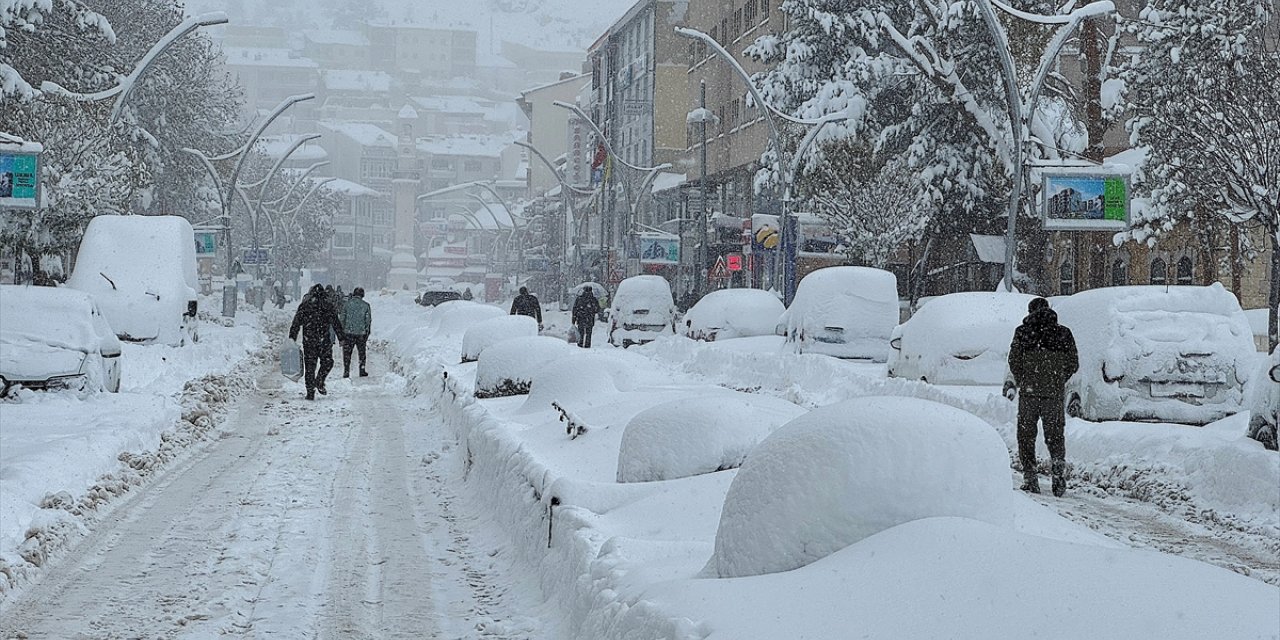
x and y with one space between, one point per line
1273 300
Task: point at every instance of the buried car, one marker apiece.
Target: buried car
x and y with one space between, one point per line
642 311
1155 353
959 338
1264 402
733 313
55 338
846 312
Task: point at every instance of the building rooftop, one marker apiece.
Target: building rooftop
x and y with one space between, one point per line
356 80
363 133
467 145
336 36
266 57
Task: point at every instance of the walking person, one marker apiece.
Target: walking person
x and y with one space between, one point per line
1041 359
318 323
357 320
526 304
585 309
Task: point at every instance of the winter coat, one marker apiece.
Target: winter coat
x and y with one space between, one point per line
315 318
585 308
1042 356
356 317
526 304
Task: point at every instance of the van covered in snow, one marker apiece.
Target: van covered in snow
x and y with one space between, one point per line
1156 353
642 311
142 272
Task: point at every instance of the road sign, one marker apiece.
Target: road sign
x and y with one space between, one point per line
720 271
256 257
734 262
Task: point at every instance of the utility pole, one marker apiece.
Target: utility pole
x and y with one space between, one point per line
702 188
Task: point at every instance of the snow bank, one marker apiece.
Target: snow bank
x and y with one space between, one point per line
698 435
508 367
844 472
581 377
458 315
733 313
486 333
960 338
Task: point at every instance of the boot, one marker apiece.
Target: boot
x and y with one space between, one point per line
1030 482
321 389
363 373
346 373
1059 467
311 394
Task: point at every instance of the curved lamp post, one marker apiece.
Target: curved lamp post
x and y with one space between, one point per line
569 215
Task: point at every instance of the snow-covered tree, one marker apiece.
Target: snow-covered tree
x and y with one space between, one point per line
63 29
1204 95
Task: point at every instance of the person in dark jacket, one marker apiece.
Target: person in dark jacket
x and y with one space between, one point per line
1041 359
526 304
318 323
585 309
357 320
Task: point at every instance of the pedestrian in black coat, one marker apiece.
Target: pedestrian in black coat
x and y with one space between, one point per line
585 309
318 323
526 304
1042 358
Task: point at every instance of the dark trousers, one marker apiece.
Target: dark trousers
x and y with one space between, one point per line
584 334
317 362
352 341
1033 409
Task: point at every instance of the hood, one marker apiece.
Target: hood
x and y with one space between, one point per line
1041 317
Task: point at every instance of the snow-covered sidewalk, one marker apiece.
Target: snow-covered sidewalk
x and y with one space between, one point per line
630 560
62 457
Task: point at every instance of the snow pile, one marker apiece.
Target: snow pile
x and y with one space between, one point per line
1194 342
848 312
579 377
960 338
733 313
847 471
487 333
508 367
691 436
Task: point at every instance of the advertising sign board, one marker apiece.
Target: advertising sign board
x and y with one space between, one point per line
256 257
1086 202
659 250
19 179
206 243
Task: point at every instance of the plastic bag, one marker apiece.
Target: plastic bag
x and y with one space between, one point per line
573 335
291 360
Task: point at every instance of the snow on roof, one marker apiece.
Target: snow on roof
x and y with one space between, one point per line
336 36
486 146
364 133
989 248
407 113
356 80
350 189
276 146
667 180
582 77
266 57
454 104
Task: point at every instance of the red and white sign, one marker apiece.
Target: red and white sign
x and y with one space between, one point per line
734 262
720 270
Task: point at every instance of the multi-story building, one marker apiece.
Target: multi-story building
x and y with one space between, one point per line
547 126
426 53
269 75
359 253
337 48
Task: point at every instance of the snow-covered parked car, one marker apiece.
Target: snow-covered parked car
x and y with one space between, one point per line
846 312
642 311
959 338
1264 402
142 272
55 338
486 333
733 313
1156 353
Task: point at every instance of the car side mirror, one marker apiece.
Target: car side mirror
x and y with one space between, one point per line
191 308
1275 373
896 343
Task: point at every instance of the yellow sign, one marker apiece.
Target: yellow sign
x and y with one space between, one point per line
767 237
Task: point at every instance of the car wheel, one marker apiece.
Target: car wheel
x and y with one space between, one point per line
1073 406
627 343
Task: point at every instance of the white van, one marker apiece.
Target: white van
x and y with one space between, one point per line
846 312
1157 353
142 272
642 310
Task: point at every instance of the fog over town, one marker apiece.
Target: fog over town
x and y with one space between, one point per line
639 319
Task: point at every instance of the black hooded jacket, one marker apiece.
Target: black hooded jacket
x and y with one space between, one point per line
585 308
315 317
1043 355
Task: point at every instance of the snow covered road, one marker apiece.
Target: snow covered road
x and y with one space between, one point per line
332 519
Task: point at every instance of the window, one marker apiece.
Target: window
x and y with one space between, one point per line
1097 270
737 22
1185 270
1159 272
764 9
342 240
749 13
724 31
1119 273
1066 278
441 163
472 166
715 34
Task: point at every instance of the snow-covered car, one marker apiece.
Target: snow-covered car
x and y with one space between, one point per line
142 272
55 338
1264 403
959 338
1156 353
846 312
642 311
733 313
433 297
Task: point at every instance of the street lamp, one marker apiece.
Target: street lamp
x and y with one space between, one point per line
651 172
783 169
570 217
225 193
124 86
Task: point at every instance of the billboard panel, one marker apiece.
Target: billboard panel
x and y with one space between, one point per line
19 179
659 250
1086 202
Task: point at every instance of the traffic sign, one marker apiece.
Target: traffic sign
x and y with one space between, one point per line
720 271
256 257
734 262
